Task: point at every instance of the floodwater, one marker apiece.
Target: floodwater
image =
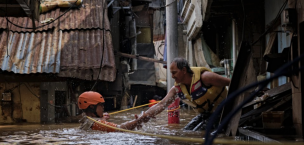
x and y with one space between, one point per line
68 133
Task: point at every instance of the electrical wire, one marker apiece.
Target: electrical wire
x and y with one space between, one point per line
243 20
270 27
263 83
41 25
103 43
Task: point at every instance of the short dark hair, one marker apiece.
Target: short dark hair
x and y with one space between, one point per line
181 63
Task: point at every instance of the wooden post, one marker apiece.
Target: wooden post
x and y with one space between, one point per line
297 79
140 57
134 101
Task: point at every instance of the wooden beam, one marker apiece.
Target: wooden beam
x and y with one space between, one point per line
243 75
140 57
297 48
273 92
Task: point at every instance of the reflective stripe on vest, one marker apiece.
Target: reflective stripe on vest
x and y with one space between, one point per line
201 95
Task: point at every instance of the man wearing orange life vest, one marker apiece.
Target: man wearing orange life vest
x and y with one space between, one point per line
197 87
92 104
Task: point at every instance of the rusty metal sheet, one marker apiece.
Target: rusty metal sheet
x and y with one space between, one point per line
75 52
30 52
89 16
27 22
81 55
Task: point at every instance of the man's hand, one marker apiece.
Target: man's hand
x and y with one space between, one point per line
138 126
105 117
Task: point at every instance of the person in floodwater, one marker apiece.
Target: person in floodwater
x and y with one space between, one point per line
92 104
197 87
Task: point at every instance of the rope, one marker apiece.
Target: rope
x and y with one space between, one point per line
189 139
133 108
173 109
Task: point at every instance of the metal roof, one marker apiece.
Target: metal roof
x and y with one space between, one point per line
30 52
81 52
73 49
74 54
88 16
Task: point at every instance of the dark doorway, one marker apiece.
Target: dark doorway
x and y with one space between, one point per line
61 109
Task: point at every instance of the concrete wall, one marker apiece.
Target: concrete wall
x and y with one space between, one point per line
25 103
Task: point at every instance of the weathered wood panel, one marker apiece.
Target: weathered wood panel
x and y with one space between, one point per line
242 76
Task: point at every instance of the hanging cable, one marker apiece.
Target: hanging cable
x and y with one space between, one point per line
273 23
41 25
103 43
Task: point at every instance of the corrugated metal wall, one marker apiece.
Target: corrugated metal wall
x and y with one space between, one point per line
76 39
82 51
30 52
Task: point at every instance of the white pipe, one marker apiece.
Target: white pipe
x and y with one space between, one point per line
234 55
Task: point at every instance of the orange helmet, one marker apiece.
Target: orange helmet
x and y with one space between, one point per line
89 98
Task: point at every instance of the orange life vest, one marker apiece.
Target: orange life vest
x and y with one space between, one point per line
97 126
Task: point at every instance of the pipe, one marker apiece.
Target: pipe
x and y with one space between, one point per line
233 43
171 30
225 62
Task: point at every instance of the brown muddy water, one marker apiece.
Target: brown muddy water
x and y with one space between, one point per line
68 133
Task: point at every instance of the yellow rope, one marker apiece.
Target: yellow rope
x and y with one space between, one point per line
173 109
197 140
133 108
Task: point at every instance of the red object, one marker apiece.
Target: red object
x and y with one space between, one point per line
173 112
152 101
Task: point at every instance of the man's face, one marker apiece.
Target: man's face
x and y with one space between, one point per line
100 109
176 73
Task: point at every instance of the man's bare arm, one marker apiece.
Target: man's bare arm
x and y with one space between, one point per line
159 107
210 78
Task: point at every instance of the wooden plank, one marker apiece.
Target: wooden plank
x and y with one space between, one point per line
140 57
250 77
238 77
135 101
298 78
273 92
